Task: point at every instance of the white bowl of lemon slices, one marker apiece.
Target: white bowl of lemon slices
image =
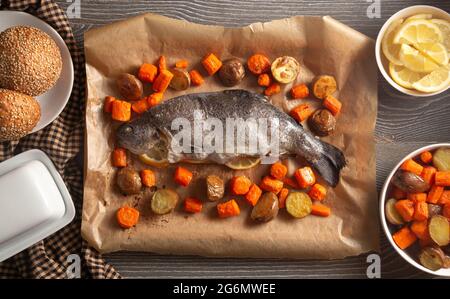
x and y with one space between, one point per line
413 50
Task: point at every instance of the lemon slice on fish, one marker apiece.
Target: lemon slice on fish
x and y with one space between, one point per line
152 161
156 157
242 163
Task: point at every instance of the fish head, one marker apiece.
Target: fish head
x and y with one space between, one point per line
138 138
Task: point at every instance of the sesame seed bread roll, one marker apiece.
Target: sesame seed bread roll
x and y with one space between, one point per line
19 114
30 60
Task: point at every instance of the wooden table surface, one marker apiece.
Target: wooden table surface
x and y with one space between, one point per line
403 125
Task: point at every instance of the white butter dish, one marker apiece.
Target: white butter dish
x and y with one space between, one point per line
34 202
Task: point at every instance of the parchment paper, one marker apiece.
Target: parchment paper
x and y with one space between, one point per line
323 46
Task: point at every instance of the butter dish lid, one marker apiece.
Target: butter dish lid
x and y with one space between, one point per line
34 202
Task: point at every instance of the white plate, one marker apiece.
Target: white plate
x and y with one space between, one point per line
53 101
34 204
390 229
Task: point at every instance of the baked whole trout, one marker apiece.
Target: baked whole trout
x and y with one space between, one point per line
221 126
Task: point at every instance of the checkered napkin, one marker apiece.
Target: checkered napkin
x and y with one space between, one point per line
62 141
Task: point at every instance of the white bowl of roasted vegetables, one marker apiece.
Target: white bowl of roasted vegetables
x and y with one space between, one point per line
415 208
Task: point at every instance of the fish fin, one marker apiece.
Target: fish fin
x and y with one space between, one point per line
330 164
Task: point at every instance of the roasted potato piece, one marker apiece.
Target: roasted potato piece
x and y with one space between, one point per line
266 208
391 212
215 188
285 69
409 182
439 229
298 204
432 258
322 122
129 86
181 79
129 181
441 159
323 85
232 72
434 210
164 201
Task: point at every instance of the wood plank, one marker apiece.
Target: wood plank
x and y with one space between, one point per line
403 125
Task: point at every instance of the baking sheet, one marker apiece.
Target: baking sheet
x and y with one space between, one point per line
323 46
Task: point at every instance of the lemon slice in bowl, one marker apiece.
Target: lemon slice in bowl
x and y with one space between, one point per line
421 16
437 52
418 31
242 163
416 61
444 26
435 81
404 76
391 50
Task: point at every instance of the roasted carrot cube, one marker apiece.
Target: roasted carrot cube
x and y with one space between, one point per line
320 210
162 81
442 178
412 166
228 209
192 205
147 72
148 178
332 104
273 88
282 198
253 194
196 78
107 105
301 112
305 177
420 211
428 174
154 99
420 229
278 170
240 185
271 185
121 110
211 64
264 80
318 192
119 157
183 176
444 198
417 197
127 217
300 91
140 106
404 238
435 194
426 157
290 182
405 208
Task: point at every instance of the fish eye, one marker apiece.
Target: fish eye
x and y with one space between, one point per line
128 129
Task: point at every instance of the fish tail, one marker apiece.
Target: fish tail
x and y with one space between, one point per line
329 164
